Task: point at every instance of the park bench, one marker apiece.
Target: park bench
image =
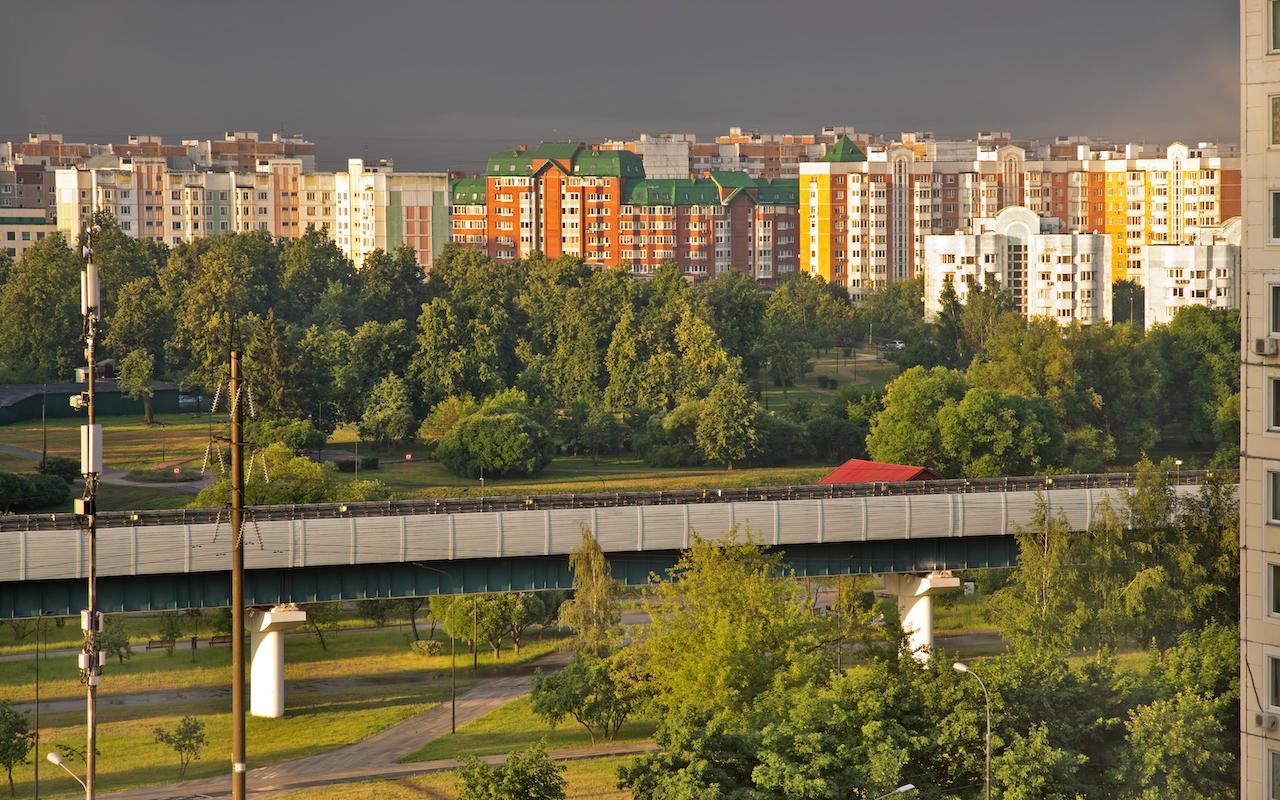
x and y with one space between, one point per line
219 641
160 644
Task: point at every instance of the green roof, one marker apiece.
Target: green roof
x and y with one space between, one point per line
468 192
666 192
779 191
844 150
558 151
510 162
612 163
582 160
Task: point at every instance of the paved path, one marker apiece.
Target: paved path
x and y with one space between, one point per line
118 477
374 757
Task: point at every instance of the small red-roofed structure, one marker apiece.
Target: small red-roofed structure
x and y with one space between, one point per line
857 470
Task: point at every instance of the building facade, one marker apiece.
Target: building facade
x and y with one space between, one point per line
1260 402
567 199
1206 273
868 208
1049 273
20 229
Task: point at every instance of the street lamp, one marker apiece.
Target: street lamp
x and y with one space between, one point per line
453 647
903 789
1177 470
962 667
56 759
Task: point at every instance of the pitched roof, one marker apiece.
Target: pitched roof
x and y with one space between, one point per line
779 191
610 163
468 192
670 192
510 162
844 150
857 470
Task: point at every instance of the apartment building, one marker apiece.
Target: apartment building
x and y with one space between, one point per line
28 186
21 228
759 155
1260 402
371 206
567 199
131 188
1050 273
237 151
241 151
1205 273
868 208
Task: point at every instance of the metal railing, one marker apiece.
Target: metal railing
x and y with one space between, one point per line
543 502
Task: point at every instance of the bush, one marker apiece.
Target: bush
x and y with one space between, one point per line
348 465
779 440
673 455
369 462
297 435
66 468
19 492
366 462
427 647
495 444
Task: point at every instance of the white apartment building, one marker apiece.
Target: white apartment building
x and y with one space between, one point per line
113 187
1050 274
1205 273
1260 401
200 204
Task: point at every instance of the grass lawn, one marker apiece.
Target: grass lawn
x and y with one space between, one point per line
870 371
594 778
350 655
961 613
515 726
176 440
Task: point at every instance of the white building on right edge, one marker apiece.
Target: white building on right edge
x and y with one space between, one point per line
1204 273
1065 276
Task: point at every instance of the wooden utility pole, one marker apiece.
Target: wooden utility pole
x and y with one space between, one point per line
237 584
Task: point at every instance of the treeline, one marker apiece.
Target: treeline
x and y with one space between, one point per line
759 692
499 367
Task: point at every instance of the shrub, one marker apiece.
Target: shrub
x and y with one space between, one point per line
31 492
673 455
427 647
495 444
348 465
369 462
66 468
297 435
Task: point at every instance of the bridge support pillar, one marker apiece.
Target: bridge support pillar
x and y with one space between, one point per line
915 593
266 671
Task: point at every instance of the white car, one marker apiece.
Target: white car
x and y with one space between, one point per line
896 344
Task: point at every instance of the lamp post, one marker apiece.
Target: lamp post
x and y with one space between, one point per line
55 759
1177 470
962 667
453 647
903 789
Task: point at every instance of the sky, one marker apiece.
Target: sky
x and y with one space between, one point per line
441 85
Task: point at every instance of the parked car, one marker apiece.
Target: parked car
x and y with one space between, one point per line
896 344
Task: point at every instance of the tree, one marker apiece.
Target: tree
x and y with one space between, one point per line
522 610
907 430
323 618
495 445
40 310
16 740
703 361
727 424
134 375
1128 303
734 306
1175 750
187 740
412 607
990 433
593 613
1036 609
114 640
270 367
312 267
169 629
601 432
388 413
391 286
526 775
377 611
596 692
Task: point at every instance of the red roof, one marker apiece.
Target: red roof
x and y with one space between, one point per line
856 470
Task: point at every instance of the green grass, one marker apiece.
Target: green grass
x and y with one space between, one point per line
515 726
870 371
962 613
177 440
588 779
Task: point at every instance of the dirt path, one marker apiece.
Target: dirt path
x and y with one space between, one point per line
118 477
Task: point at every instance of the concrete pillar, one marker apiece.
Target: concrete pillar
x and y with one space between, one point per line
915 593
266 664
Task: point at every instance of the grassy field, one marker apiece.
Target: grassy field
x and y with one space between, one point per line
870 371
515 726
589 779
176 440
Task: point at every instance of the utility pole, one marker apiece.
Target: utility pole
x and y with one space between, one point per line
86 509
237 584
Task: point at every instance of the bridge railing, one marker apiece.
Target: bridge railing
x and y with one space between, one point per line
513 502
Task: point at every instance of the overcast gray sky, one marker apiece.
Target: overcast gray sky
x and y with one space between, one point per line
437 85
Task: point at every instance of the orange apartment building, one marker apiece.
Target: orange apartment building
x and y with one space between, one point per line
563 198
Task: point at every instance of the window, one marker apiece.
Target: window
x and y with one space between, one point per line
1273 498
1274 44
1275 776
1274 289
1273 591
1273 682
1275 120
1273 404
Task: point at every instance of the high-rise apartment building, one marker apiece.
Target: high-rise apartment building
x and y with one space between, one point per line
1050 273
1260 402
371 206
1204 273
867 209
28 186
759 155
20 229
237 151
567 199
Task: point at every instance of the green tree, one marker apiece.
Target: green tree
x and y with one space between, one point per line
526 775
40 310
601 434
1036 609
1029 767
169 629
447 413
390 286
323 618
388 413
187 740
313 271
270 367
703 361
16 740
134 375
114 640
141 321
990 433
376 610
593 613
495 445
597 693
1128 303
523 609
735 308
1175 750
907 430
727 424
